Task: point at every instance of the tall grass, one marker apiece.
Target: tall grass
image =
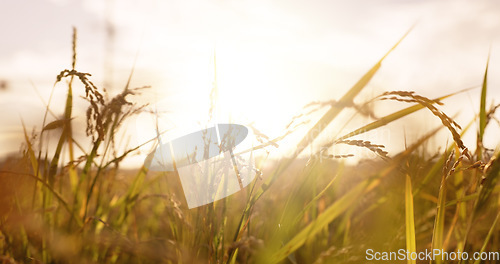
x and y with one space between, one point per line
56 207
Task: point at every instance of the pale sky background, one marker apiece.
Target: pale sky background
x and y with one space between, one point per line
273 57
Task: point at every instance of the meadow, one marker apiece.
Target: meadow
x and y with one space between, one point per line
61 207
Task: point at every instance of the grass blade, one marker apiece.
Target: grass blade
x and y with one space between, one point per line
484 193
410 220
330 214
438 233
482 111
488 237
486 189
317 197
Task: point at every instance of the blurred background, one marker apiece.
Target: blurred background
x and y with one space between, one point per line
272 58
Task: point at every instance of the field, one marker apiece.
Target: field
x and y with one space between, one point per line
89 209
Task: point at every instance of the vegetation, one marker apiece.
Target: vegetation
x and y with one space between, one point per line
299 211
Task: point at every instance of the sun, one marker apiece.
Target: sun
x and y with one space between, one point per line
244 87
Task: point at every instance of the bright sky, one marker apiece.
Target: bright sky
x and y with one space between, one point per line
273 57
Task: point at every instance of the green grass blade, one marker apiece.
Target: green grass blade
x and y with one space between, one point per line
484 194
488 186
233 259
30 151
34 162
488 237
318 196
126 202
411 245
330 214
482 111
438 233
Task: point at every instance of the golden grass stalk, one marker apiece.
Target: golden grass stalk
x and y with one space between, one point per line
409 220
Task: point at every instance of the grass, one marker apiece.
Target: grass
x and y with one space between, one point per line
56 207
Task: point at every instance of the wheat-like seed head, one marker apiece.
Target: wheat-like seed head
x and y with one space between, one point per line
411 97
378 149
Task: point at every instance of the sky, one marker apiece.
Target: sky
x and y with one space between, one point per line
272 58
